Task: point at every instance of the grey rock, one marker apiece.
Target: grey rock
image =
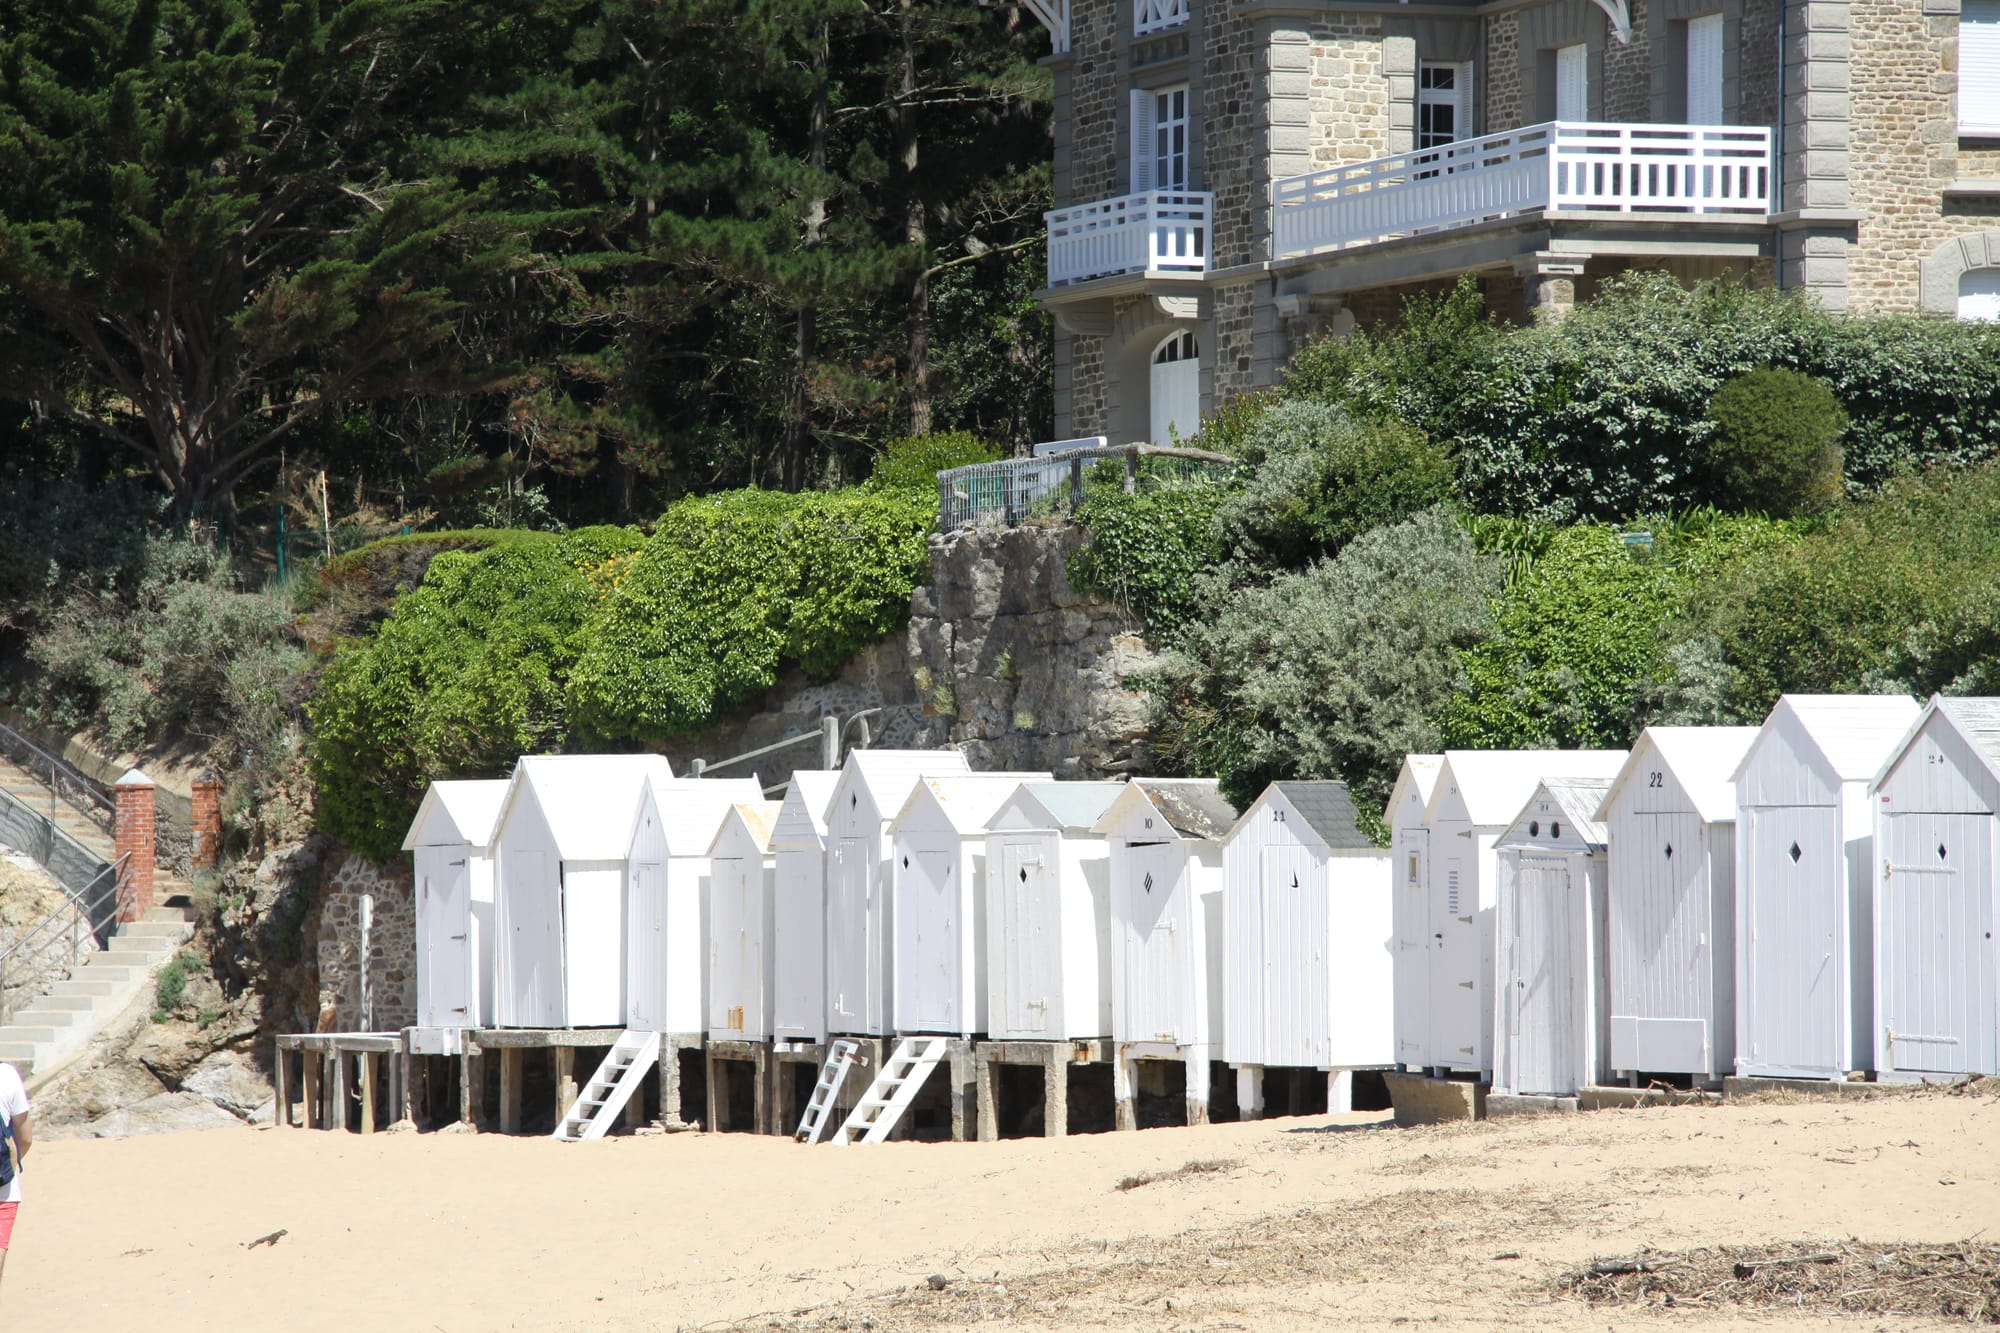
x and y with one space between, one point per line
232 1081
167 1113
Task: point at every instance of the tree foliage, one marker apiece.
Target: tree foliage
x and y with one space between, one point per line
1775 445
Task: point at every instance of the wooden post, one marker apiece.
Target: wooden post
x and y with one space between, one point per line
1075 490
281 1110
670 1083
311 1112
1250 1091
338 1117
510 1090
960 1064
1131 471
986 1070
1055 1093
1339 1091
766 1062
1124 1073
369 1063
635 1110
718 1092
563 1058
1197 1086
471 1090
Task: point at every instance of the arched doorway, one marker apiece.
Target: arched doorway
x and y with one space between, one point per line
1176 389
1979 294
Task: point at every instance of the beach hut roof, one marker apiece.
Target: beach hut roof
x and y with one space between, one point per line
802 813
1495 784
1975 720
1419 771
1192 807
457 812
589 800
1072 807
1327 807
692 809
1701 760
969 800
1850 731
1579 799
759 817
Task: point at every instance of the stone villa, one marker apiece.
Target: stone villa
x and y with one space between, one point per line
1234 177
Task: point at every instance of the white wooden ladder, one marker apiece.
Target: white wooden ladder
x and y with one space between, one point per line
624 1068
839 1059
896 1085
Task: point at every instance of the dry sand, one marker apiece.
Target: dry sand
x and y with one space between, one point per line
1319 1222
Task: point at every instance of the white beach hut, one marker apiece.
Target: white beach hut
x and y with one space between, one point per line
1477 795
1048 912
1937 965
1549 943
1409 845
1165 838
1309 979
872 787
1805 883
448 841
937 877
741 885
1671 820
798 847
671 828
560 845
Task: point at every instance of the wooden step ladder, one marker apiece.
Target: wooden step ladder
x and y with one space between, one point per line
610 1088
896 1085
839 1059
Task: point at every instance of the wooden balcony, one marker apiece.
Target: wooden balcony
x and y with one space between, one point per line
1161 233
1655 172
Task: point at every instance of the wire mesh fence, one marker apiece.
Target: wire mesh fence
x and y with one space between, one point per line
1057 485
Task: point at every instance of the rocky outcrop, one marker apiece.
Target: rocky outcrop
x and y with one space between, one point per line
166 1113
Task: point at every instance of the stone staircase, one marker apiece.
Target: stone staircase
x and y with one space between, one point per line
44 1034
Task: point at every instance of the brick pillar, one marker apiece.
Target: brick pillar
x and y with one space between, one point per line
207 842
132 832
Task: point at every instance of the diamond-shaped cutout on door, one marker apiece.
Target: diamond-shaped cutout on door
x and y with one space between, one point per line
1796 853
1940 851
1149 882
1670 851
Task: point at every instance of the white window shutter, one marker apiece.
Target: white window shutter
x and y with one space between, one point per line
1465 103
1142 140
1573 82
1979 66
1704 70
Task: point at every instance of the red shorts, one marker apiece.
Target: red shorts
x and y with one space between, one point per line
7 1211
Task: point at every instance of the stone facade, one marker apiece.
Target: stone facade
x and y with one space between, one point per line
1234 365
1507 107
367 976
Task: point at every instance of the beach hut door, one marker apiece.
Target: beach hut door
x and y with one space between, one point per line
1298 1009
1455 957
648 946
1028 915
850 920
1936 944
1413 944
1158 996
1539 1021
735 962
1797 973
445 907
933 899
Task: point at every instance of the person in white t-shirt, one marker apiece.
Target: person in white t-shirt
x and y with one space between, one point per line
20 1130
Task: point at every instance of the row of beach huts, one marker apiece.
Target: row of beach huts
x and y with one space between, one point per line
1813 898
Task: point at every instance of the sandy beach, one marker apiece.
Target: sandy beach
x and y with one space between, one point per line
1301 1223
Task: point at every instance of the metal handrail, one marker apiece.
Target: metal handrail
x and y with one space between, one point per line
62 774
79 907
53 833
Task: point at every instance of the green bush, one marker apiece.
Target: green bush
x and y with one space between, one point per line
55 535
170 987
1775 443
1337 672
912 463
1146 549
467 673
1322 478
1583 626
731 588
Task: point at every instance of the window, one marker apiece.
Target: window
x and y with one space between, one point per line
1573 82
1157 15
1176 390
1444 103
1979 294
1160 139
1979 67
1704 70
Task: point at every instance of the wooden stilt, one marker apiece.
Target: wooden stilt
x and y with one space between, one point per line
369 1061
510 1090
1124 1075
1197 1088
471 1105
1250 1091
1055 1095
311 1111
281 1109
964 1116
337 1113
563 1058
1339 1091
987 1074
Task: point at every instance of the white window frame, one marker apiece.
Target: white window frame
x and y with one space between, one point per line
1573 82
1979 67
1705 46
1979 294
1162 139
1457 97
1150 16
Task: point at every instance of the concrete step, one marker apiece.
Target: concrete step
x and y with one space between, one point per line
90 986
33 1036
154 930
146 946
19 1056
54 1019
183 915
96 968
79 1003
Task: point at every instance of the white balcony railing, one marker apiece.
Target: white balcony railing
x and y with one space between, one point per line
1158 232
1631 170
1157 15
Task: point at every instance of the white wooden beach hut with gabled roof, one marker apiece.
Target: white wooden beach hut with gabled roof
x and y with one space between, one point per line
448 842
741 888
872 787
560 845
1937 964
1165 838
1670 817
671 829
798 951
937 879
1308 976
1477 795
1549 989
1805 835
1410 846
1048 911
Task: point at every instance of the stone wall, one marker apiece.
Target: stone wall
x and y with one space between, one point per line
1507 105
391 948
1234 365
1629 73
1088 150
1233 130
